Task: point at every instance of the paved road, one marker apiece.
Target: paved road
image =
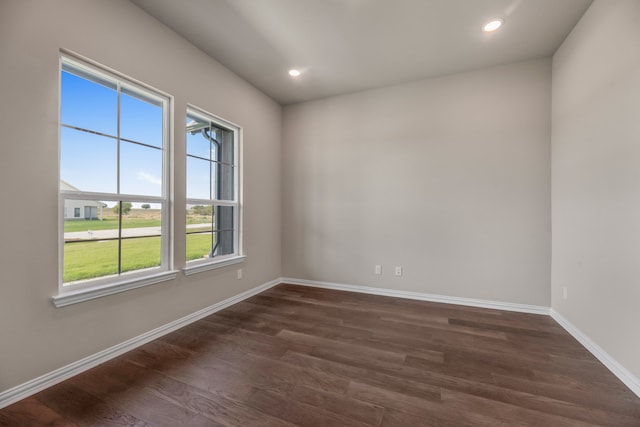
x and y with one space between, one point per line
126 232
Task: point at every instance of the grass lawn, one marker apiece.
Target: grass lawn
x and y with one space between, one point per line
109 224
198 245
88 260
137 218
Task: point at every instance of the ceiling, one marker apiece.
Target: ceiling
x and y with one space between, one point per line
345 46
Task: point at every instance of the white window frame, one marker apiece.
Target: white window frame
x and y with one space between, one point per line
83 290
199 265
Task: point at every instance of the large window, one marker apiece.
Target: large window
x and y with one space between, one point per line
113 179
212 191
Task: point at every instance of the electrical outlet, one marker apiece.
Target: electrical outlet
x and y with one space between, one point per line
398 271
239 273
564 293
378 269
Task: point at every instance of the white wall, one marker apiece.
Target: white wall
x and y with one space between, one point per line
596 178
448 178
35 337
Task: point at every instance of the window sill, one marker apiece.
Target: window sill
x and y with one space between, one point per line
74 297
211 265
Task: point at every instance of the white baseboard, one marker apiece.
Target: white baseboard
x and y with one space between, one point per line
31 387
613 365
496 305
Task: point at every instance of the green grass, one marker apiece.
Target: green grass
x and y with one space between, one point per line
127 222
88 260
109 224
198 245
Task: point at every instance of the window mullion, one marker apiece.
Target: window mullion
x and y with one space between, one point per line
118 182
120 237
211 194
118 142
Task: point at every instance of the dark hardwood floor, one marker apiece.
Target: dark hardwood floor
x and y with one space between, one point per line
314 357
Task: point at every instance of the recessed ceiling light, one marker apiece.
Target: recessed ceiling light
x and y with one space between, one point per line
492 25
294 73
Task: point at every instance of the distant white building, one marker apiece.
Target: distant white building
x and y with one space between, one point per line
81 209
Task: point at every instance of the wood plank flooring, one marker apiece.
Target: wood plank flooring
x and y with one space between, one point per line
314 357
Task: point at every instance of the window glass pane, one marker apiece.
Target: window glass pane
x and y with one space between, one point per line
198 179
223 181
141 253
91 259
197 143
213 174
140 170
141 231
226 146
199 216
140 221
224 219
225 243
92 216
140 120
88 162
224 224
199 231
199 245
90 247
88 105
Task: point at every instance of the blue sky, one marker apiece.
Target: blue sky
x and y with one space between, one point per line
198 170
89 161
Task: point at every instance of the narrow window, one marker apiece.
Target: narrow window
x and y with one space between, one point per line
212 190
113 161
